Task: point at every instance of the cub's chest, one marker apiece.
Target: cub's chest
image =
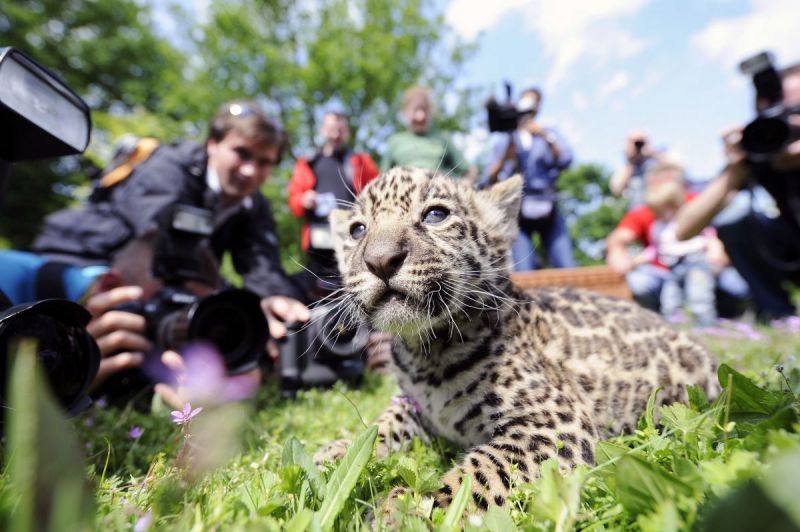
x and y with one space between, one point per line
450 411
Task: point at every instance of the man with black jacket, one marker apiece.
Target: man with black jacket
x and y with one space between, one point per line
224 176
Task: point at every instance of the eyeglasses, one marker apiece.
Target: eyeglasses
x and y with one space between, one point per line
242 109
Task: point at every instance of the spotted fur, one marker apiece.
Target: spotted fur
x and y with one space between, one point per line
514 377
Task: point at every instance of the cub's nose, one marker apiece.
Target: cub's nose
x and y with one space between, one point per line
383 262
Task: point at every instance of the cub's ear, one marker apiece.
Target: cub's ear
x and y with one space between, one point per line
499 206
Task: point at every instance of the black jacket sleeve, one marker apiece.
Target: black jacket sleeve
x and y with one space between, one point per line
252 240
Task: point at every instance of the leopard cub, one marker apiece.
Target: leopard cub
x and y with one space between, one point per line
513 377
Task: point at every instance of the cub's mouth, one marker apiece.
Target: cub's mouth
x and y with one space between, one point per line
392 296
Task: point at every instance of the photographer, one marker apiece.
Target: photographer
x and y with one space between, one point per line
628 181
765 250
540 154
224 176
328 179
105 292
421 147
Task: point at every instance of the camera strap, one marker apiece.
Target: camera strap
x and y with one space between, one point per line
50 280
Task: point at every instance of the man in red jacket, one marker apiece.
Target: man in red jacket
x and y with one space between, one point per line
332 177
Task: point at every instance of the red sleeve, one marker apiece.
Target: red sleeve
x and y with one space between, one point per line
302 181
365 171
638 221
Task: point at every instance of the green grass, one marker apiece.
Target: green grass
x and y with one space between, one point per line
247 467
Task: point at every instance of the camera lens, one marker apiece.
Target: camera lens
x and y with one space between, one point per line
638 144
765 135
68 355
233 321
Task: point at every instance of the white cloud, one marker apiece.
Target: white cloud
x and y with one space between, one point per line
580 101
616 83
772 24
470 17
569 30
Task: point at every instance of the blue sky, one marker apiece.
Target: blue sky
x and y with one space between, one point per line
607 66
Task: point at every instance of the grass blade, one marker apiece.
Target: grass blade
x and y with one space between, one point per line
457 507
344 479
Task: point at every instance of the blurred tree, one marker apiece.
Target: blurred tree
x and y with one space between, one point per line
296 57
107 51
293 57
590 209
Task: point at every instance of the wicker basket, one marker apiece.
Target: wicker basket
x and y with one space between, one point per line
597 278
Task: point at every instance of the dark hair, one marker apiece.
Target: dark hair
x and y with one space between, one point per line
249 120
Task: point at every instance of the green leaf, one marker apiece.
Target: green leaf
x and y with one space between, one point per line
698 399
295 453
558 496
498 520
665 518
642 485
747 397
344 478
457 506
685 421
407 469
46 466
300 522
648 422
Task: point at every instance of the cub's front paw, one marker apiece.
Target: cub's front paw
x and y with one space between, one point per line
331 451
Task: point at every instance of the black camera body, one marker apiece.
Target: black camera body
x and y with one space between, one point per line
327 349
770 131
67 353
230 320
42 117
504 117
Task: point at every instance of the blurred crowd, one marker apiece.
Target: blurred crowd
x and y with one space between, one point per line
143 254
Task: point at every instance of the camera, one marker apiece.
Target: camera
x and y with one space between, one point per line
42 117
328 348
231 319
66 352
505 117
639 145
770 131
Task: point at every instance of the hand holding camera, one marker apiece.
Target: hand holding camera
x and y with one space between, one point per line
119 334
637 148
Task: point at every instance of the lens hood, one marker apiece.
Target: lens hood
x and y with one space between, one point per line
68 354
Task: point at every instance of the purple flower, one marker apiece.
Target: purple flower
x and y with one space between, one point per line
207 381
182 418
136 432
144 522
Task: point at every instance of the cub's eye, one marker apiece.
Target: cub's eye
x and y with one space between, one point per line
358 230
435 215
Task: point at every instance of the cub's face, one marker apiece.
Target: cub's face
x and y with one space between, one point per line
420 251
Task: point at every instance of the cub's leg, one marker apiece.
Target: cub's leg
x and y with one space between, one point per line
556 423
397 426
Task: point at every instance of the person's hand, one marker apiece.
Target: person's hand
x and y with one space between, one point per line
379 351
534 128
309 200
735 156
282 311
634 154
789 158
119 335
621 262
